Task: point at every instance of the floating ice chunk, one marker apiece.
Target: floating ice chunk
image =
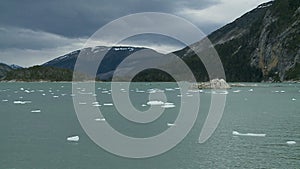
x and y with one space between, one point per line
248 134
282 91
155 91
155 103
21 88
294 99
21 102
108 104
179 95
236 91
5 100
100 119
170 124
168 106
291 142
143 105
73 138
169 89
44 94
250 90
55 96
96 104
36 111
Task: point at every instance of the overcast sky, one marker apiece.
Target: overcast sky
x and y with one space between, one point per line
35 31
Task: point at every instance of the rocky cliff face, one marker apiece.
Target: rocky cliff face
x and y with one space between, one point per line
263 44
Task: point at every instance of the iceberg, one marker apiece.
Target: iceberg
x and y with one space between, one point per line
36 111
21 102
108 104
248 134
73 138
155 103
100 119
291 142
170 124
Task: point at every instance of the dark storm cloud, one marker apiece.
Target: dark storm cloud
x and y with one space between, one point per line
78 18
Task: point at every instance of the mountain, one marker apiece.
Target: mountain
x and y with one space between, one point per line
263 44
112 57
4 69
14 66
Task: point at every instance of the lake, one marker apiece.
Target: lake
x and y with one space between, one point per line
260 128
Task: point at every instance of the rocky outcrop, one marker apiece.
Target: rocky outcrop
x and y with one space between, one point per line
212 84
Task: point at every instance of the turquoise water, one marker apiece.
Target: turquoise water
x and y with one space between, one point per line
38 139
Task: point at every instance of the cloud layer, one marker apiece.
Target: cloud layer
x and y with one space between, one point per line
32 32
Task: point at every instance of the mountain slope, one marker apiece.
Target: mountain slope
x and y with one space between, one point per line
4 69
263 44
112 57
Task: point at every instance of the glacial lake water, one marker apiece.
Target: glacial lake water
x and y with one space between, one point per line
37 118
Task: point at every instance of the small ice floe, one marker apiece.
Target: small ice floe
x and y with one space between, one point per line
235 133
168 105
73 138
155 103
177 88
63 94
139 91
105 91
250 90
100 119
276 91
85 93
96 104
5 100
179 95
55 96
155 91
82 103
143 105
22 88
21 102
36 111
293 99
291 142
108 104
236 91
169 89
282 91
20 97
44 94
220 92
170 124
